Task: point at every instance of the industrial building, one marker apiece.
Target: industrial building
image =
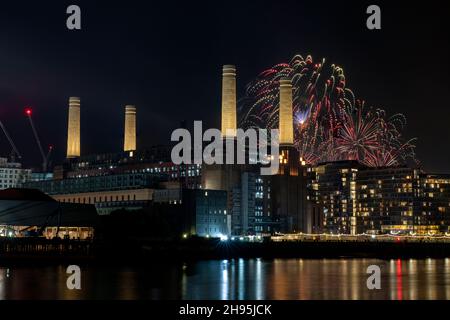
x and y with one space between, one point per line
107 193
117 185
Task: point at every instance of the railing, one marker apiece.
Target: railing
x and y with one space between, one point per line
44 247
361 238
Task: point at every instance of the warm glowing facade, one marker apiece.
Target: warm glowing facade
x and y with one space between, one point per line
108 201
398 200
286 113
229 101
130 129
73 128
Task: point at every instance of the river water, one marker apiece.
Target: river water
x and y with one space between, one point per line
236 279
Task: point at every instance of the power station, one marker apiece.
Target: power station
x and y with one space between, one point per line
235 199
256 203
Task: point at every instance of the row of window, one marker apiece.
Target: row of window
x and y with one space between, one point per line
14 171
88 200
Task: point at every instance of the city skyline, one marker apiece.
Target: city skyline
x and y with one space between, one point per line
226 158
118 65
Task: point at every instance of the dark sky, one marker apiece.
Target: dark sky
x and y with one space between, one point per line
166 56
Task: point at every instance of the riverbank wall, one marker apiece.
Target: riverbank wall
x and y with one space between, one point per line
143 250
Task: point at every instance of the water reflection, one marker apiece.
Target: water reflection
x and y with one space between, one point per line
237 279
412 279
322 279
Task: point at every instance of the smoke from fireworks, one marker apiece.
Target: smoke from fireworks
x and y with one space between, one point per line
330 123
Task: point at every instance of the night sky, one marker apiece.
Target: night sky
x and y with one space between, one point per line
166 56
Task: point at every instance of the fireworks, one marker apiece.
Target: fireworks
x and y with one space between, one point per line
330 123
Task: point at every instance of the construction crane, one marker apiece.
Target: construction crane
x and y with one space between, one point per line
14 151
45 157
49 153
